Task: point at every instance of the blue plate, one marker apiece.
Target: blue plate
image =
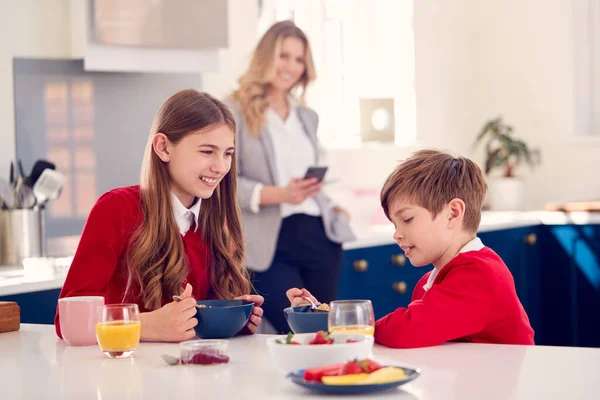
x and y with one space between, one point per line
298 378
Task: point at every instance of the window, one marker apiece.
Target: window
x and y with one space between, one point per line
586 39
362 49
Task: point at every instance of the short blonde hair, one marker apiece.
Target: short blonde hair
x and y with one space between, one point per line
431 178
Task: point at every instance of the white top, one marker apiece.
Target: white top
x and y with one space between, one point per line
294 153
185 216
35 364
473 245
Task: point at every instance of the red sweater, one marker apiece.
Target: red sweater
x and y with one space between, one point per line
473 299
99 267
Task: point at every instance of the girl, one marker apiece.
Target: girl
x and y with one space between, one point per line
177 233
294 232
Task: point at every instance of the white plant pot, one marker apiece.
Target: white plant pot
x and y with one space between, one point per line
506 194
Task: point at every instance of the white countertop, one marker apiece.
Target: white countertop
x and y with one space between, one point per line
50 273
380 235
36 364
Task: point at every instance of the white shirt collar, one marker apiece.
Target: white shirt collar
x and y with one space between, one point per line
273 116
185 216
474 245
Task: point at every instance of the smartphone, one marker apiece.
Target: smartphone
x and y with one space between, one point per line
316 172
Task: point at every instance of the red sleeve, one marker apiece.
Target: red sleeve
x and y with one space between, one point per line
98 252
457 307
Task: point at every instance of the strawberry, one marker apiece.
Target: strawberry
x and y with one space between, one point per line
369 365
288 339
321 337
352 367
359 367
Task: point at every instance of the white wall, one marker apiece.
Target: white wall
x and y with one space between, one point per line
529 71
31 28
474 60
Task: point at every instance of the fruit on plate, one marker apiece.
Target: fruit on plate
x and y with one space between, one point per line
315 374
351 379
382 375
385 375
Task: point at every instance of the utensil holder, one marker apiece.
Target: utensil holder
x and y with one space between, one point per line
22 235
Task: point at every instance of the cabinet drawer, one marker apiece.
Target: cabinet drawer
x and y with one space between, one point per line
382 274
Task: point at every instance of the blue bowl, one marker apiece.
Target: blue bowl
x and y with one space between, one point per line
302 319
222 318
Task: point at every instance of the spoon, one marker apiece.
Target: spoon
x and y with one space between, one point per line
313 306
178 298
170 359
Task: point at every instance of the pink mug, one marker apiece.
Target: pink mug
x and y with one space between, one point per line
78 319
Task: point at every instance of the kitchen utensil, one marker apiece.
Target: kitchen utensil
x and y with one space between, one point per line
313 305
48 186
178 298
7 194
170 359
37 170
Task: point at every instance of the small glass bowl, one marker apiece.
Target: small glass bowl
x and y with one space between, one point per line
204 352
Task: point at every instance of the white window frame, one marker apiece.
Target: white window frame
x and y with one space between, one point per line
387 69
586 42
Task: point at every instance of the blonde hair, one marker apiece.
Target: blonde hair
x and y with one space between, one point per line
156 259
250 97
431 179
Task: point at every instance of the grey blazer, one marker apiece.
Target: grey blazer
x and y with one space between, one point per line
256 164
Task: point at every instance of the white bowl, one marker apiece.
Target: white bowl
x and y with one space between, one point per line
294 357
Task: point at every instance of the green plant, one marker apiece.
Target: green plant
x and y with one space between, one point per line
502 150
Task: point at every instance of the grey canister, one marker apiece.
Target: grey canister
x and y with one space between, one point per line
22 235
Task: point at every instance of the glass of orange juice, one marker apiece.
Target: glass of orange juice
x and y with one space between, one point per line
351 316
118 329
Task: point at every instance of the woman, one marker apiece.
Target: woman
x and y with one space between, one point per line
293 231
177 233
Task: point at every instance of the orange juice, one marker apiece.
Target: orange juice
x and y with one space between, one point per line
118 335
358 329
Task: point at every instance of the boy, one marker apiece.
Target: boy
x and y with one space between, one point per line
434 201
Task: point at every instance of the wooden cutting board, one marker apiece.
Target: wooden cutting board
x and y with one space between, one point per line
10 316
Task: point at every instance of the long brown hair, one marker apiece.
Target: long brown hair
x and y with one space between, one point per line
254 84
156 259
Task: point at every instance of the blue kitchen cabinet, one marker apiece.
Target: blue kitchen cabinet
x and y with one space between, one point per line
519 248
571 285
382 274
36 307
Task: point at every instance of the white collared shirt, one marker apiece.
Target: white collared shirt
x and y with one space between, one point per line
294 153
185 216
473 245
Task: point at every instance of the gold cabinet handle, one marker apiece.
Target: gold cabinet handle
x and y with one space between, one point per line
399 259
399 287
531 239
360 265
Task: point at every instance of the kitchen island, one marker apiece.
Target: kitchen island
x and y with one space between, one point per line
34 364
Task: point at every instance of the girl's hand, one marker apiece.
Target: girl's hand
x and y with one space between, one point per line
294 294
173 322
257 311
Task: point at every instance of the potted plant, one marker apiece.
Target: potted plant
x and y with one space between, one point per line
504 154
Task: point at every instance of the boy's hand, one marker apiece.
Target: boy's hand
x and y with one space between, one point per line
294 294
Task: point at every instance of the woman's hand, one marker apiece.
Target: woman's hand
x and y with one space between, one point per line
173 322
340 210
299 190
257 311
294 294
